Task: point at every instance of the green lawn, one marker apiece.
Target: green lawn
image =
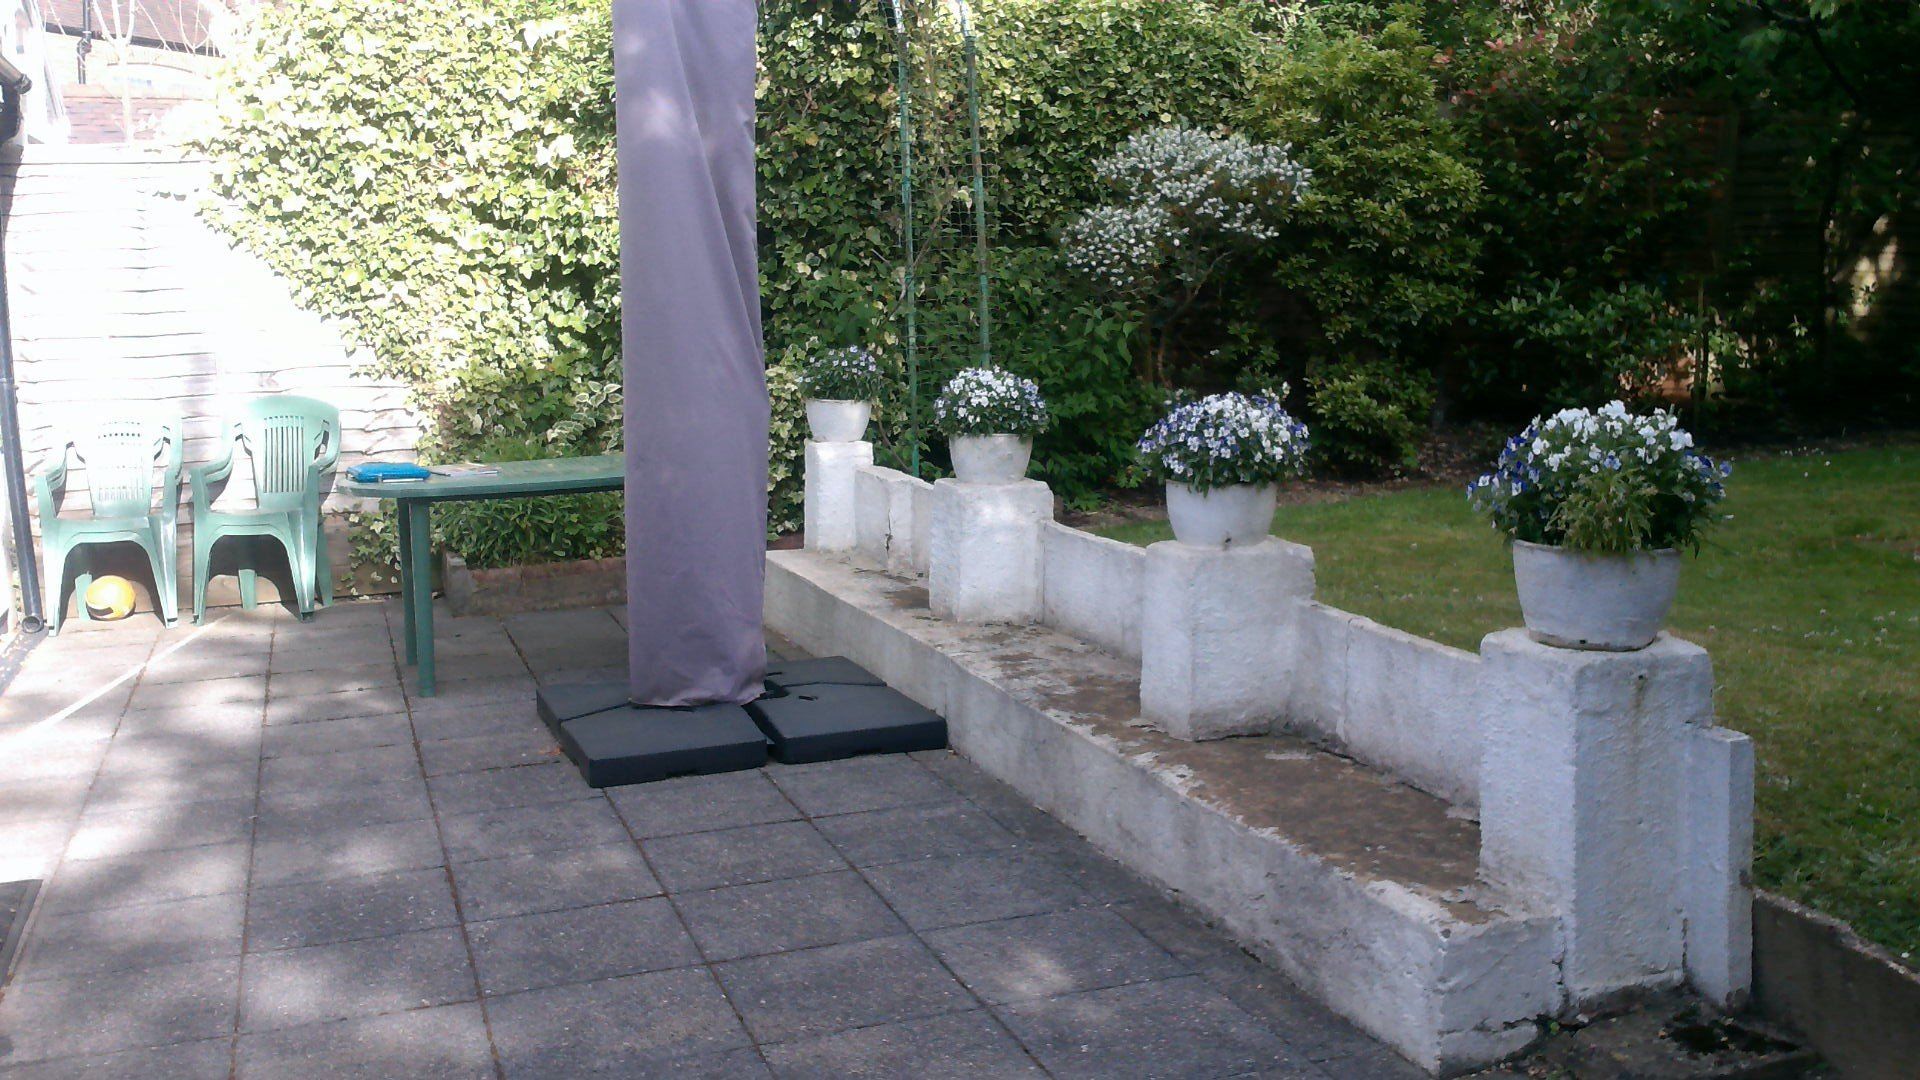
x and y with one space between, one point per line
1808 598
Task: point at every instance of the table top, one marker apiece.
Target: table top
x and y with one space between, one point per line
516 479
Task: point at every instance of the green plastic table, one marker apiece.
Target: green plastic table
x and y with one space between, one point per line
414 501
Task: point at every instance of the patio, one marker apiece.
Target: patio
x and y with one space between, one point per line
264 855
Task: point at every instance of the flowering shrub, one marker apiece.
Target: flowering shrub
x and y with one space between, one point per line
1180 188
989 401
850 374
1602 480
1226 439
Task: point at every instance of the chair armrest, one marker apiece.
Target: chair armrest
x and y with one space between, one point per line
204 476
49 484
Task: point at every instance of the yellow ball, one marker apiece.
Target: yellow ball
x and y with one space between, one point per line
109 598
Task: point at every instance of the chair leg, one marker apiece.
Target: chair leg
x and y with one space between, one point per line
56 575
202 562
82 581
164 598
249 588
323 565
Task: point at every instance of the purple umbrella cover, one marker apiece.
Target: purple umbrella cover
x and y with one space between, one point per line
695 375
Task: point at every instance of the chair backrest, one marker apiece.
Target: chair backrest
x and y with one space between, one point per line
287 437
121 454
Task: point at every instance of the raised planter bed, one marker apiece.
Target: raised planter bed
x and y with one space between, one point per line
552 586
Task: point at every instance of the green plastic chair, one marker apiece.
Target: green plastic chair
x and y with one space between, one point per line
121 454
293 443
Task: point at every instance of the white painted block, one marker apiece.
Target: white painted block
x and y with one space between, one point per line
1091 587
984 550
1581 795
1413 708
1214 630
830 498
1717 893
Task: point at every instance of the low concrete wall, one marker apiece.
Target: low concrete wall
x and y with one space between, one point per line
1854 1003
1391 699
1091 587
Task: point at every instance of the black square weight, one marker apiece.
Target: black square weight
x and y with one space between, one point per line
823 722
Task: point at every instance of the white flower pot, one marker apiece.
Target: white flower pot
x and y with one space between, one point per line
1232 516
1589 600
838 421
990 459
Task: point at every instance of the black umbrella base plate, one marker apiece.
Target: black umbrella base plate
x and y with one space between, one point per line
614 742
830 708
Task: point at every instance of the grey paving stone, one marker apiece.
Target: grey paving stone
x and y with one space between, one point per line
161 828
741 856
1049 955
121 939
146 878
498 833
556 629
290 654
348 909
1102 878
54 763
660 1024
693 804
960 1046
371 765
340 679
33 848
372 849
226 723
425 1044
204 1059
915 832
40 799
553 881
125 1010
868 783
581 945
501 750
245 690
320 810
1175 1028
329 736
190 664
776 916
468 721
576 657
207 781
468 694
138 749
1374 1062
935 893
293 987
818 991
498 789
383 701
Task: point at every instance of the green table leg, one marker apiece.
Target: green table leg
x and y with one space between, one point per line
420 590
400 513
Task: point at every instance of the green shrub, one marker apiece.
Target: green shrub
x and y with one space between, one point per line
516 532
1368 418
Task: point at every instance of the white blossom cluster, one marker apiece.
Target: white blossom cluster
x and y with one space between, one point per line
850 374
1598 461
1181 188
1226 439
989 401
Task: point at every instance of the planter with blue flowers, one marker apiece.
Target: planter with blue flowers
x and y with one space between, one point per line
1222 459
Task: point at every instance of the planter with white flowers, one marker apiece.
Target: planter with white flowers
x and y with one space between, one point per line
1222 459
990 417
1599 503
839 385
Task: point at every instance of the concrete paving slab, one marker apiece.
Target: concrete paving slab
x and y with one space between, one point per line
553 881
554 948
125 1010
741 856
961 1046
905 833
503 750
641 1025
149 877
326 855
554 827
1178 1027
780 916
848 787
206 1059
935 893
288 709
500 789
444 1043
1049 955
348 909
128 938
820 991
328 736
338 806
294 987
336 679
692 804
371 765
162 828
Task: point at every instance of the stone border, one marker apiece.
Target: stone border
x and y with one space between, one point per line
512 590
1851 999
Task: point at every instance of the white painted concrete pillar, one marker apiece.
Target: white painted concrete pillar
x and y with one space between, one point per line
831 511
984 559
1606 792
1215 652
